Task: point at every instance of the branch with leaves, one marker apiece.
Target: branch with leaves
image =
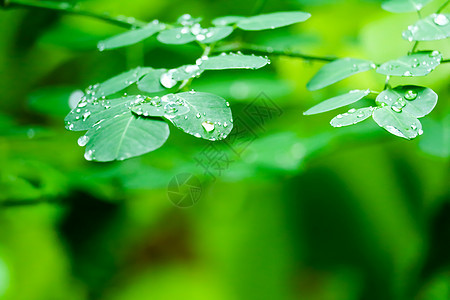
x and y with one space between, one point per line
398 109
121 125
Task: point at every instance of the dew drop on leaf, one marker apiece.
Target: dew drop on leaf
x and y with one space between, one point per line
86 115
167 81
208 126
410 95
89 155
83 140
440 20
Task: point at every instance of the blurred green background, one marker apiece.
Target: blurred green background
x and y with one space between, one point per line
306 212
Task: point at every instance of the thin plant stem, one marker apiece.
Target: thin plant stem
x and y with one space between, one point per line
443 6
68 8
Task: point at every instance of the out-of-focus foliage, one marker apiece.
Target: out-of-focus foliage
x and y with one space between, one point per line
298 210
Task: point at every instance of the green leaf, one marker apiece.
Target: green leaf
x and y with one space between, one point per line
433 27
415 100
131 37
124 137
214 34
185 72
90 112
233 61
167 106
118 83
352 117
338 101
227 20
337 70
176 36
401 124
149 110
401 6
209 116
151 83
417 64
273 20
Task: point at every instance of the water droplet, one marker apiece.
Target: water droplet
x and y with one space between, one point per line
200 37
339 116
208 126
410 95
83 140
101 46
440 20
408 35
196 29
167 80
198 115
434 53
407 73
89 155
397 108
86 115
352 110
